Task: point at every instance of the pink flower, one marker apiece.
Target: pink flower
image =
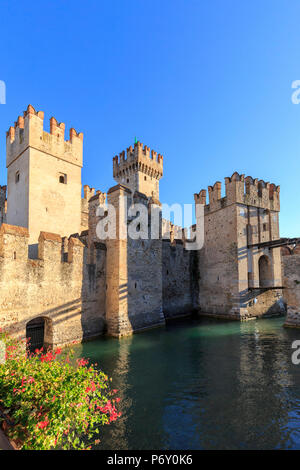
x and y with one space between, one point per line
43 424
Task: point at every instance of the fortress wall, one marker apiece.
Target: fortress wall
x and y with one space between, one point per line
291 281
177 278
46 287
140 169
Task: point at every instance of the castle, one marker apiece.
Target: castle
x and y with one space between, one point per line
56 272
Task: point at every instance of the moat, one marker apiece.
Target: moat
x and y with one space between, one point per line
203 384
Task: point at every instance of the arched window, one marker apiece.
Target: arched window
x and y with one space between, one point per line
265 272
39 333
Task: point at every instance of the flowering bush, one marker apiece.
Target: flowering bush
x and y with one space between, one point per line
52 402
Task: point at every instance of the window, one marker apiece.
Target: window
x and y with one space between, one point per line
265 227
145 178
63 178
17 177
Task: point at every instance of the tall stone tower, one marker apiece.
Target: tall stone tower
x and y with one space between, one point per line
43 176
239 273
140 170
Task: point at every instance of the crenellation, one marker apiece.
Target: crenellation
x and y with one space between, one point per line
88 192
44 176
57 128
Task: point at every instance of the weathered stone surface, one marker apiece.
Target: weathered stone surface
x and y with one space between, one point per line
291 270
228 267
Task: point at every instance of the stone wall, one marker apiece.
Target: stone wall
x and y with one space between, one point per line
62 292
134 277
3 204
291 280
43 176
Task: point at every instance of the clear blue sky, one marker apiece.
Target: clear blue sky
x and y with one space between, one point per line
205 83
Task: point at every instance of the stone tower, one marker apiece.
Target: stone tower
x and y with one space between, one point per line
43 176
133 271
140 170
236 278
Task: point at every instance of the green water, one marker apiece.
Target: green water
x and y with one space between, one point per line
202 384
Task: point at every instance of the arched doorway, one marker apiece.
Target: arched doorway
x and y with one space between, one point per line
265 272
39 333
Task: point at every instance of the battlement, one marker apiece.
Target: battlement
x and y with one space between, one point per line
238 189
28 131
138 158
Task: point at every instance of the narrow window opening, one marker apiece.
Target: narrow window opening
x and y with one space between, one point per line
17 177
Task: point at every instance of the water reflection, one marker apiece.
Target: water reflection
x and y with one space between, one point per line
203 385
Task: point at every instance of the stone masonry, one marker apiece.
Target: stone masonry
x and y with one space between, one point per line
291 269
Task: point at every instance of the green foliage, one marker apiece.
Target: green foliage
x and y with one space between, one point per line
54 403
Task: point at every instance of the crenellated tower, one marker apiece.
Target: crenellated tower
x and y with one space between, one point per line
140 170
43 176
239 275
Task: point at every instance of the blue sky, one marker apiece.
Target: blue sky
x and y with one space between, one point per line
205 83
